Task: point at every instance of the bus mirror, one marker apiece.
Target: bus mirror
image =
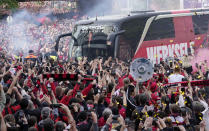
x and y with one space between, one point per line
120 32
64 35
111 37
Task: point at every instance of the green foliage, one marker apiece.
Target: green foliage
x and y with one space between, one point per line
9 4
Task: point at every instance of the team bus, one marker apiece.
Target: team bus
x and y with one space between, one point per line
151 35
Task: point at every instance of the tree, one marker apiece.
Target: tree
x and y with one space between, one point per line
8 4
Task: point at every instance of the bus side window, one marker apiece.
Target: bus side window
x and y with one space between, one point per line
200 24
161 29
128 41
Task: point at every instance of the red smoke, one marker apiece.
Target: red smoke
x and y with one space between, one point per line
201 56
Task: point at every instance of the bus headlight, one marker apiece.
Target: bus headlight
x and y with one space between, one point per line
109 43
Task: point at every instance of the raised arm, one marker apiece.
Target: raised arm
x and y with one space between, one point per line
14 82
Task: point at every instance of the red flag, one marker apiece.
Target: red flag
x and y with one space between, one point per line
90 37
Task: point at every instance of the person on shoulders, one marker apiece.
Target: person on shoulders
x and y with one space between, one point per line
176 76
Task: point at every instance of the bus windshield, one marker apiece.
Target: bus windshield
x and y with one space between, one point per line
98 36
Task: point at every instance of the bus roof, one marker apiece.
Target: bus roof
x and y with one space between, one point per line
120 18
101 19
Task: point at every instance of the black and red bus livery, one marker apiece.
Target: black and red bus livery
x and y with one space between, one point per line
152 35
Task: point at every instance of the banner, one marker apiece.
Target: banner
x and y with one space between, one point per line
185 83
62 77
70 77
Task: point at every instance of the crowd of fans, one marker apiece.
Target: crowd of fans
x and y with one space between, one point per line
18 38
104 97
53 6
